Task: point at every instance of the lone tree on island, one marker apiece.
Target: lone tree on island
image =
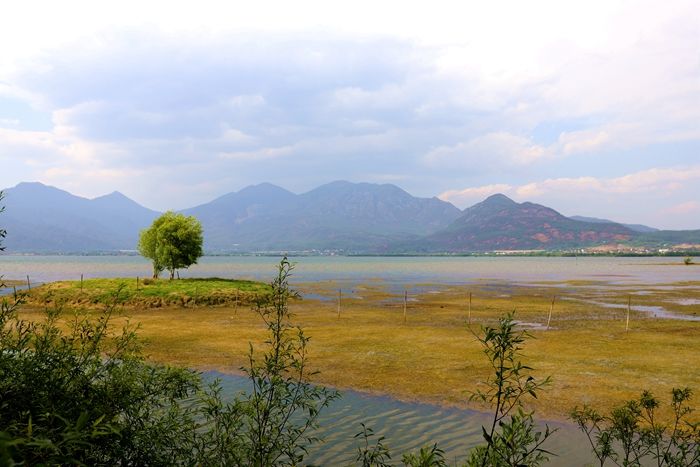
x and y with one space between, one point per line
172 242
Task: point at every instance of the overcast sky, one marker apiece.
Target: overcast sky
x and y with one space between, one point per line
592 108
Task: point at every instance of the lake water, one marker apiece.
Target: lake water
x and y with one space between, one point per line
391 270
409 426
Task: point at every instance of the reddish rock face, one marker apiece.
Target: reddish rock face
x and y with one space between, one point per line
541 237
500 223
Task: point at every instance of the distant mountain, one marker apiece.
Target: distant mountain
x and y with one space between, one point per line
42 218
359 217
499 223
636 227
670 238
340 216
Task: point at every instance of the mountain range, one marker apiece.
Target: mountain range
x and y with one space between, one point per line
341 217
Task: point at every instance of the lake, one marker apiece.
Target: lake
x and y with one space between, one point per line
391 270
409 426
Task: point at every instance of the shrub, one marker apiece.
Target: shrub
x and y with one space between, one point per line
86 395
512 439
632 434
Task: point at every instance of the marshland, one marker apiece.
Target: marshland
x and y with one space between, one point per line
604 329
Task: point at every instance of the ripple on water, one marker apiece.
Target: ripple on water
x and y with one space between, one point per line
409 426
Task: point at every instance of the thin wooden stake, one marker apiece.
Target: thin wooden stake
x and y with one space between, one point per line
340 297
137 283
469 318
81 282
235 308
14 291
629 305
405 304
29 285
551 308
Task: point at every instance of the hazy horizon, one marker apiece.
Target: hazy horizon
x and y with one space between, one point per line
591 108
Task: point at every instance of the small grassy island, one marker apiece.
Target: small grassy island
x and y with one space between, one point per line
149 293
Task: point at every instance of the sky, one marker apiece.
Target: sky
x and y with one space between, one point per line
589 107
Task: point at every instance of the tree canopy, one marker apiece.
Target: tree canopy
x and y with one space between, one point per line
172 242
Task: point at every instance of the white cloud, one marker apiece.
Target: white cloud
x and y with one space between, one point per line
258 154
440 93
469 196
688 207
499 148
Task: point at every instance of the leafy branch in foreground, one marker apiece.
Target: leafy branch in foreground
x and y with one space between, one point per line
632 435
372 454
283 407
426 457
513 438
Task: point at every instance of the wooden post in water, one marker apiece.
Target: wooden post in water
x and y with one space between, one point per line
551 308
81 282
340 297
14 291
469 316
629 306
405 304
29 285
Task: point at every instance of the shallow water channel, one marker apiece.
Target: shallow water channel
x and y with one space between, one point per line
407 426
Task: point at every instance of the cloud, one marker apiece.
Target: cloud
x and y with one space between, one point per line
469 196
657 180
259 154
499 148
216 101
688 207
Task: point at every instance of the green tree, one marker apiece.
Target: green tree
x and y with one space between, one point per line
172 242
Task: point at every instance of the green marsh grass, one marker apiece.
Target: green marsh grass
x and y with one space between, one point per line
149 293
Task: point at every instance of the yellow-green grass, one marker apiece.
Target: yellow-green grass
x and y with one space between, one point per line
148 293
434 356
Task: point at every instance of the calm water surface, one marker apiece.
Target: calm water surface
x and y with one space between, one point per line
392 270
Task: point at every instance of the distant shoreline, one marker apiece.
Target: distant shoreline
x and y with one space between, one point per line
543 254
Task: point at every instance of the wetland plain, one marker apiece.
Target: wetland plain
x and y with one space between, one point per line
402 336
